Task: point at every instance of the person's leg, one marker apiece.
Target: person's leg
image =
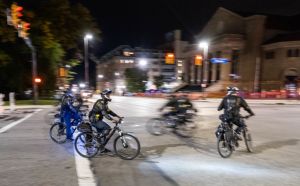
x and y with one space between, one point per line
62 115
240 123
67 120
102 127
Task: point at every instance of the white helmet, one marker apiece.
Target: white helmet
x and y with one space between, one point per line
232 90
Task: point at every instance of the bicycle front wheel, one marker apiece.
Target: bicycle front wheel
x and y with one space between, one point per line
155 126
57 133
248 141
86 145
127 146
224 147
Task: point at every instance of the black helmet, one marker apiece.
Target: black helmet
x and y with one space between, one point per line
232 90
105 94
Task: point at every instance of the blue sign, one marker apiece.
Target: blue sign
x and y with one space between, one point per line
219 60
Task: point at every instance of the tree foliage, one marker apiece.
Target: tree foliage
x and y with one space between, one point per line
158 81
135 79
57 31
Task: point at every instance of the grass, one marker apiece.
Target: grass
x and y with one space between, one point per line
30 102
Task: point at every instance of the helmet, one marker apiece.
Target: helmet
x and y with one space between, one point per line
232 90
69 93
105 94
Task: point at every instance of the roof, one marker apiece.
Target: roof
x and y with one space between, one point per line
294 36
280 22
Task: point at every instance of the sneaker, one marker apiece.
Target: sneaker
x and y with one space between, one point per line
69 140
104 150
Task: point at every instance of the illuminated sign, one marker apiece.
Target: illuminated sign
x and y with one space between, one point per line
219 60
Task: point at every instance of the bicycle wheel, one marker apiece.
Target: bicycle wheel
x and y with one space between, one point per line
224 147
248 140
127 146
86 145
57 134
183 130
155 126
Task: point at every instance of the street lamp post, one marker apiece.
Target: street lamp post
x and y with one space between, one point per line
86 64
204 45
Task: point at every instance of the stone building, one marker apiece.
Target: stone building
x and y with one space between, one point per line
263 52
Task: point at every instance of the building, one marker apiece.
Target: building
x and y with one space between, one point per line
111 67
262 52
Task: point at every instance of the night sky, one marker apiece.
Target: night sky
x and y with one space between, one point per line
144 23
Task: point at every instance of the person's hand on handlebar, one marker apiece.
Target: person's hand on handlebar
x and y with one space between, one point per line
246 117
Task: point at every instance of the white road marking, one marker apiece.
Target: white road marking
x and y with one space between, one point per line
83 169
9 126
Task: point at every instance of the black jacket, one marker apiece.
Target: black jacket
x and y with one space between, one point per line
232 104
100 110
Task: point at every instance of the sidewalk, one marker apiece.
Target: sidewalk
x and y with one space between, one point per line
29 107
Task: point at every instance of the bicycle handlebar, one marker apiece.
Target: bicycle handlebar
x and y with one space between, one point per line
246 117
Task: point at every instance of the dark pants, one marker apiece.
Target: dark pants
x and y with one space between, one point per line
102 127
239 122
66 119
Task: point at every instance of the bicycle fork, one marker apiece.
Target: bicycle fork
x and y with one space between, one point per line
123 140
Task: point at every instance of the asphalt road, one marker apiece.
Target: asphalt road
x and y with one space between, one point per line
29 157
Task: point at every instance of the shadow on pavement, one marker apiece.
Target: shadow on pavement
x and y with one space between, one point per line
274 145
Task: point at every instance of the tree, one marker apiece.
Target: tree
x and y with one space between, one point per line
57 30
158 81
135 79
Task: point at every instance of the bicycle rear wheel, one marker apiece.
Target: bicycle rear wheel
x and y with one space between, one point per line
127 146
86 145
155 127
248 141
57 134
224 147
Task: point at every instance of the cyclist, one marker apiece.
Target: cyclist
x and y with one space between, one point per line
101 110
68 112
231 104
179 106
172 104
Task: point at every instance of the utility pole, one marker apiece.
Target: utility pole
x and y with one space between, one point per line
34 69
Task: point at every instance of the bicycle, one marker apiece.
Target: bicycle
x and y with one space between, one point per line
181 125
126 146
227 138
58 130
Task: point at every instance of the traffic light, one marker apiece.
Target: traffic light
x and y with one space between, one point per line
62 72
170 58
198 60
23 30
16 15
37 80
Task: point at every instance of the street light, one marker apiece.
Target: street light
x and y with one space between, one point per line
86 64
143 62
204 45
100 76
82 85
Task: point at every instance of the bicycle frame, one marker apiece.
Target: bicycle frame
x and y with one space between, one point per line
116 128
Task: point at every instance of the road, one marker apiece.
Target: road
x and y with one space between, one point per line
29 157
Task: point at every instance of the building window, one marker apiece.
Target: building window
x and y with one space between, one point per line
293 53
269 55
